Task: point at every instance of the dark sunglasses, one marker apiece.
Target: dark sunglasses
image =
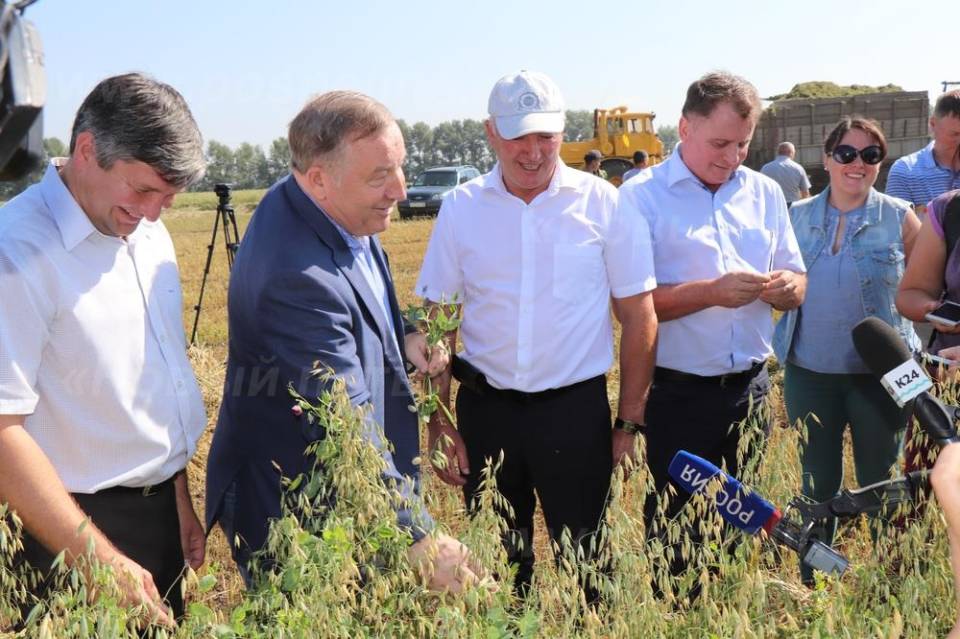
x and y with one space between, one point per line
845 154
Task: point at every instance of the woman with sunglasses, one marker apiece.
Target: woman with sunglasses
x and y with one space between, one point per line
855 242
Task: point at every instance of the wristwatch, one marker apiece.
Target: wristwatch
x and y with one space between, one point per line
628 426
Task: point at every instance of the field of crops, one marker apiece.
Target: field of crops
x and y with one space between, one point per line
345 575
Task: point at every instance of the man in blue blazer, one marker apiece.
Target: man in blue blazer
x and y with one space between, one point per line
310 285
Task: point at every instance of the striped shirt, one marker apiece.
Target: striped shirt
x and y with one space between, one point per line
917 177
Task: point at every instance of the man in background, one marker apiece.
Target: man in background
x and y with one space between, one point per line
790 175
591 164
640 159
934 169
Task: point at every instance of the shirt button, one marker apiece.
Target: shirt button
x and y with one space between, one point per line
179 383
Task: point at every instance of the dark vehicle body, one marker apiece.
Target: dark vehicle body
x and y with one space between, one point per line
426 192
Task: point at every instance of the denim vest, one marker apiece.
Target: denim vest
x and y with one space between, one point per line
877 250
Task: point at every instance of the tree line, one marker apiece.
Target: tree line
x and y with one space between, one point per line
249 166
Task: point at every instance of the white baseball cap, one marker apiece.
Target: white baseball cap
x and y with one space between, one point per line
526 102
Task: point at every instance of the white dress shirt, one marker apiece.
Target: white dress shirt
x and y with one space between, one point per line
92 348
700 235
535 279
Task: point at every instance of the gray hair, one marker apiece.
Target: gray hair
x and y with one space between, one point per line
318 132
134 117
786 148
705 94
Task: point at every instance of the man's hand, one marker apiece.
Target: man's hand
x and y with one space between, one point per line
448 453
785 290
137 588
192 538
32 487
427 361
738 288
624 447
445 564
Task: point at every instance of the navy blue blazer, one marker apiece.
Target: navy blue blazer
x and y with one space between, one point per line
296 297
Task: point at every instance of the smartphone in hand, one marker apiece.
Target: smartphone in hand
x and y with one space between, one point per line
947 314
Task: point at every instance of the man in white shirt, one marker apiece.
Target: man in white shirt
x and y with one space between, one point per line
99 407
535 251
725 256
790 175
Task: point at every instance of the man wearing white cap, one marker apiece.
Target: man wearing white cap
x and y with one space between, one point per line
534 251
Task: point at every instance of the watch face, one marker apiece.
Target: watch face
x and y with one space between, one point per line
627 426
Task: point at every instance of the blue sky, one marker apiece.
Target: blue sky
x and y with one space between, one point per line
247 67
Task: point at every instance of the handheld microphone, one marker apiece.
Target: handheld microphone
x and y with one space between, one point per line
749 512
888 358
742 508
883 351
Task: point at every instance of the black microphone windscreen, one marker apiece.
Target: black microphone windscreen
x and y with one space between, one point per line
880 346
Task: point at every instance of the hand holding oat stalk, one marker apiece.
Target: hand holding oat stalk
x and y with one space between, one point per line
438 323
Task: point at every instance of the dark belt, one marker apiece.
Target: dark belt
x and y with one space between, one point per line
730 379
470 377
146 491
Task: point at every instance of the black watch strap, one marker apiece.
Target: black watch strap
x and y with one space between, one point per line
628 426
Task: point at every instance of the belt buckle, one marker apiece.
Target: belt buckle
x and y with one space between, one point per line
724 378
149 491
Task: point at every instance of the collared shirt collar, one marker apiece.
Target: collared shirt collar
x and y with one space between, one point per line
925 159
72 221
563 178
74 224
677 170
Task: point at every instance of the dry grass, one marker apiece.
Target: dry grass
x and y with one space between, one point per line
780 480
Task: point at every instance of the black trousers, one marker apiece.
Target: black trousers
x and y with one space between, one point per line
557 446
696 415
144 527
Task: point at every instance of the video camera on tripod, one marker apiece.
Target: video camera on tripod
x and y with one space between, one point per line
231 241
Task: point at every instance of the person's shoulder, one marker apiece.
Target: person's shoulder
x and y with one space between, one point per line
758 179
891 200
471 189
769 166
26 221
279 194
587 183
647 178
906 163
464 199
796 166
803 206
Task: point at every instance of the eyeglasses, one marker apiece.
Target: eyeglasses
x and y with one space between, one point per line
845 154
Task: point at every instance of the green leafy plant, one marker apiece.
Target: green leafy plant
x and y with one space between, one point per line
435 321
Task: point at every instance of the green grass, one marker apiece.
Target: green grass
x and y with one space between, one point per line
208 200
900 588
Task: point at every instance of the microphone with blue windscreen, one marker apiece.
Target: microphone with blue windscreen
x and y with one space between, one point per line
749 512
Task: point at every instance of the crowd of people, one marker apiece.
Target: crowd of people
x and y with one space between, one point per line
100 412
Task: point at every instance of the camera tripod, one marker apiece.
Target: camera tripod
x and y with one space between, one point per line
231 242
